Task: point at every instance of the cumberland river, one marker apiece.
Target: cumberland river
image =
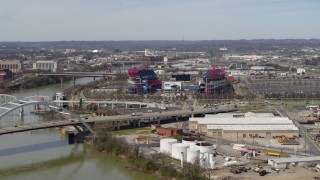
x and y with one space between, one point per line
45 154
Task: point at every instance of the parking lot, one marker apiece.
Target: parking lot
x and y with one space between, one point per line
284 86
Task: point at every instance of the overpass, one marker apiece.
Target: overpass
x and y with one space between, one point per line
116 120
125 103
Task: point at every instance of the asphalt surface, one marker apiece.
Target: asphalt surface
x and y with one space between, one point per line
313 148
145 116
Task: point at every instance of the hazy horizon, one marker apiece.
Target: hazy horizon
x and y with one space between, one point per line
163 20
163 40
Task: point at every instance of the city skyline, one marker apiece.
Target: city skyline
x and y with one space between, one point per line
158 20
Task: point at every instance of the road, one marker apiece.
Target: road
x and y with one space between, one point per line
313 148
102 119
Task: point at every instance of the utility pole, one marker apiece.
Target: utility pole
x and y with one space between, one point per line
252 140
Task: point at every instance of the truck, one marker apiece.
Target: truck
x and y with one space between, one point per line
137 114
270 153
163 107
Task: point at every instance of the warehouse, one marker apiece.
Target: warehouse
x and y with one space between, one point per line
244 125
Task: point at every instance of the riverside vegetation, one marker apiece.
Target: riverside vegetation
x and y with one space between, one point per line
159 165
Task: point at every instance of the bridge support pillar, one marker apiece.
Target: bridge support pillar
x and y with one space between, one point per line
21 112
139 123
61 81
71 137
94 79
295 164
159 120
287 165
118 125
74 81
112 105
134 123
177 118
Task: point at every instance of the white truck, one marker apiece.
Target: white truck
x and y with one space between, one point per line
137 114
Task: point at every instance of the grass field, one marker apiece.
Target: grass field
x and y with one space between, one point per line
144 130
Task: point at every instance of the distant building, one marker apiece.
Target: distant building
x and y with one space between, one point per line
181 77
13 65
301 71
262 68
149 52
46 65
70 50
242 65
5 74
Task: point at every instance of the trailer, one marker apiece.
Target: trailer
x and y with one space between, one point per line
137 114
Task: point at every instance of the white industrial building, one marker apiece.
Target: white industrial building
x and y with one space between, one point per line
244 125
12 65
301 71
46 65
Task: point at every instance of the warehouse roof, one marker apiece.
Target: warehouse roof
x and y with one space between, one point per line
248 114
243 121
291 160
253 127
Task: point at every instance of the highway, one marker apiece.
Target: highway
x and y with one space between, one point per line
102 119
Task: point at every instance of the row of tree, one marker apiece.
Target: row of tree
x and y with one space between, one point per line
157 164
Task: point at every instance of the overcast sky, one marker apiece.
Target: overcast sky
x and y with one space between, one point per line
54 20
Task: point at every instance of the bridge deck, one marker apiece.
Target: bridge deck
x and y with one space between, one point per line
101 119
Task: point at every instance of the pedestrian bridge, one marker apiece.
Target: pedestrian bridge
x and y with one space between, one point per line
10 104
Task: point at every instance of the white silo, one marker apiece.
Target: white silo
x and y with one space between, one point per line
192 141
204 147
193 155
179 148
211 161
166 145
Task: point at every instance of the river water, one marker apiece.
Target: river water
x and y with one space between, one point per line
45 154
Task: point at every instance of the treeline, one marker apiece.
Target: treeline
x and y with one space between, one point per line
158 164
38 81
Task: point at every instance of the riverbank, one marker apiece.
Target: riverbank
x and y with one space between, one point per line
136 158
33 82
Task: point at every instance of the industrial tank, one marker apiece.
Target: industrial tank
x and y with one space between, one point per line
192 141
204 147
179 148
193 155
165 145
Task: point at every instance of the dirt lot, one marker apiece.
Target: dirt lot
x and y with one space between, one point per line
295 173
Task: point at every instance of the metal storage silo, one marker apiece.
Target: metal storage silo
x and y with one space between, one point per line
179 148
204 147
192 141
165 145
193 155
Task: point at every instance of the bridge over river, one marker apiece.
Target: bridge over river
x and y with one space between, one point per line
11 104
